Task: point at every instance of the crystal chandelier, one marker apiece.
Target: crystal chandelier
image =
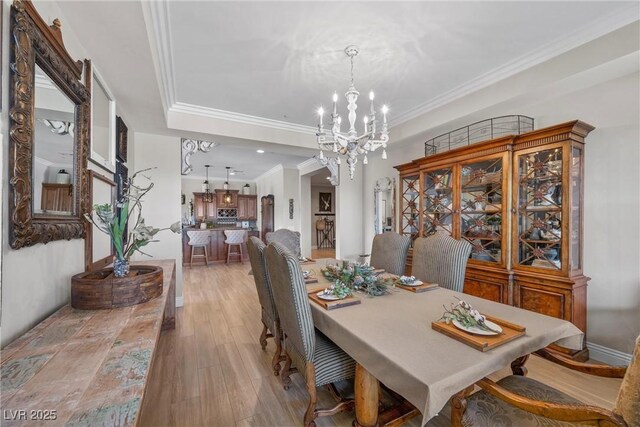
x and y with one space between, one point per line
350 143
207 197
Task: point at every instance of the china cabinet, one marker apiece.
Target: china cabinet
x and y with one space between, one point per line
518 201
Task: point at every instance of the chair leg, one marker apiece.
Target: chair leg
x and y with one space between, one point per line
311 413
228 252
277 356
263 337
191 259
206 256
286 372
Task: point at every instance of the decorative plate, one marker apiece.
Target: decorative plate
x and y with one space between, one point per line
327 296
477 331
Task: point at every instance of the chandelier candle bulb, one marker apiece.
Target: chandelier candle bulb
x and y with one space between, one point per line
320 113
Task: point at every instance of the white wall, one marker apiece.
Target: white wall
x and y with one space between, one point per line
349 213
35 280
161 206
284 184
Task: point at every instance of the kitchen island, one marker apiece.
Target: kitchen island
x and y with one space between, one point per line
216 250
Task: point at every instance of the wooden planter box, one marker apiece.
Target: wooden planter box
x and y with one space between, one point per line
96 290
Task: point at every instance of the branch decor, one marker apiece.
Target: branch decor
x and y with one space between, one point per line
357 277
116 220
468 316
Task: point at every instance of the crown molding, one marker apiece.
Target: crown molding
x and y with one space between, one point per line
156 14
309 162
607 24
275 169
182 107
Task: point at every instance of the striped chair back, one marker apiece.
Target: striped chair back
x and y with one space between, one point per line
198 238
628 401
292 302
289 239
389 251
441 259
256 248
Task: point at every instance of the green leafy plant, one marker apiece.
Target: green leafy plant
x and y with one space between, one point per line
468 317
358 277
114 219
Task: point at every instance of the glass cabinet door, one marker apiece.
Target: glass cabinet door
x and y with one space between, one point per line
437 199
481 214
410 221
539 209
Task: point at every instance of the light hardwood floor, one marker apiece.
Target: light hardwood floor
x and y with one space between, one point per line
211 371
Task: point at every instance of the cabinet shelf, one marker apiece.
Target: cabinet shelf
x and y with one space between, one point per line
525 183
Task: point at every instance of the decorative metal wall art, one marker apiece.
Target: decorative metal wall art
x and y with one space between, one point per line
479 131
190 146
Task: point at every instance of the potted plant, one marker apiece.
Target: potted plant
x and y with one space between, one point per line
124 223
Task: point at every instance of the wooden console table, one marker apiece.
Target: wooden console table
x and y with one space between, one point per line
86 367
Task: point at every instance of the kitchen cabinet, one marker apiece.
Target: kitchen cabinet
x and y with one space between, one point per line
57 197
247 207
204 210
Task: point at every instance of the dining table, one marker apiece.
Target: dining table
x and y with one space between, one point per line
391 339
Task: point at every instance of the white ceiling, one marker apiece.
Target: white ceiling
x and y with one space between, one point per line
282 60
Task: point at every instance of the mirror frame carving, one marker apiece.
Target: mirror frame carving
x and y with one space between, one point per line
34 42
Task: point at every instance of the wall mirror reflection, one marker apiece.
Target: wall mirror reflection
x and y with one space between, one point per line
384 199
53 143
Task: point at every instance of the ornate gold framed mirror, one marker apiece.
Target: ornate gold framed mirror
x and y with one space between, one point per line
48 133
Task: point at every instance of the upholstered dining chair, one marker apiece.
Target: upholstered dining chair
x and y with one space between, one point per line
269 314
441 259
289 239
389 252
524 402
312 354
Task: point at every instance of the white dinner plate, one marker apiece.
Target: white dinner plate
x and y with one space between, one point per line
327 297
477 331
414 283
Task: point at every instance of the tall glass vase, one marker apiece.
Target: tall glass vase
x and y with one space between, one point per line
120 267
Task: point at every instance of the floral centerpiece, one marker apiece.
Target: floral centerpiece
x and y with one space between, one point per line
468 316
125 224
357 277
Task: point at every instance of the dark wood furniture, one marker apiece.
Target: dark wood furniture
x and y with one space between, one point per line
202 210
121 139
34 43
247 207
217 250
89 367
56 197
220 198
518 201
267 215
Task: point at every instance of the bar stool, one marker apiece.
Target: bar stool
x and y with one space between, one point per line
235 238
198 239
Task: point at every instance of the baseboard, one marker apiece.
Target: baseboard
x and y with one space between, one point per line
179 301
607 355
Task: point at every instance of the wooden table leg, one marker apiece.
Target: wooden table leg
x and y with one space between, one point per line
367 395
517 366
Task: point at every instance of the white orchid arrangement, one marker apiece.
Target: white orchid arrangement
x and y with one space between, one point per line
114 219
468 316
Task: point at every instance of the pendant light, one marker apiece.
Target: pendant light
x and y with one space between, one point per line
207 197
227 194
